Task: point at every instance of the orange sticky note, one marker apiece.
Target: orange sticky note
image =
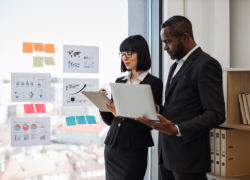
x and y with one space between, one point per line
39 47
27 47
49 48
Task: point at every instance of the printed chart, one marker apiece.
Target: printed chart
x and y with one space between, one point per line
72 88
30 87
30 131
80 59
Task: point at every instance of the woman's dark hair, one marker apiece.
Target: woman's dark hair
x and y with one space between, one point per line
139 45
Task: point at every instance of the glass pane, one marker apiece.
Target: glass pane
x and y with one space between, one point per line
74 153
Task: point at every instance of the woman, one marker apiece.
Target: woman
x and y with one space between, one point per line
127 142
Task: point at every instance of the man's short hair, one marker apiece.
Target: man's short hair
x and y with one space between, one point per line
138 44
178 25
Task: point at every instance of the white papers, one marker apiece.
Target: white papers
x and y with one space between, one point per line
31 131
80 59
72 88
30 87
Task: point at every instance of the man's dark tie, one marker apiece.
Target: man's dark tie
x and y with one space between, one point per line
170 75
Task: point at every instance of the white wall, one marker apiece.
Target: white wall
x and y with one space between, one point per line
239 36
210 20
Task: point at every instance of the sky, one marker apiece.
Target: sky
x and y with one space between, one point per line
65 22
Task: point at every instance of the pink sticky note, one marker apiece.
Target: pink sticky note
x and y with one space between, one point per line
40 108
29 108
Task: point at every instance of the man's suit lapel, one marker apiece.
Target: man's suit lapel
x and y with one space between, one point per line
183 68
169 77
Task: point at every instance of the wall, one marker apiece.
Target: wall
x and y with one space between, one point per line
239 33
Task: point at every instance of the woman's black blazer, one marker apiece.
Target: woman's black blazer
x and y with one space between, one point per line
128 133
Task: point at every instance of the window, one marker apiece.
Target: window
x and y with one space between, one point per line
72 154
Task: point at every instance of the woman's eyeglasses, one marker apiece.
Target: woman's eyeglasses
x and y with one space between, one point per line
127 54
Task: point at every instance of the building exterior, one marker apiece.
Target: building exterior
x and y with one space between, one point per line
80 134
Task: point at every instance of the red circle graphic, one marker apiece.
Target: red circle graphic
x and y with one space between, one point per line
25 127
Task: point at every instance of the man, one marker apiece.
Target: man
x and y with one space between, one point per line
194 104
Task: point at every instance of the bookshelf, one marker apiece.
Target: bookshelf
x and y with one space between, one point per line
214 176
237 82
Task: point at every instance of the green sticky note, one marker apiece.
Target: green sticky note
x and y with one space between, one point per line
49 61
37 61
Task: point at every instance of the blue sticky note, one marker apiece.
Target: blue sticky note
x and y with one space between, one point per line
81 120
71 121
91 119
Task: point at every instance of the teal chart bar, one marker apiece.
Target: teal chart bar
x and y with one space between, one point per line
81 120
91 119
70 121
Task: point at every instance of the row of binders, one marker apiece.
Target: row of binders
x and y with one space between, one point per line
230 152
244 100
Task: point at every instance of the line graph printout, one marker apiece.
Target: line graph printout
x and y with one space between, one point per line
80 59
30 87
72 95
30 131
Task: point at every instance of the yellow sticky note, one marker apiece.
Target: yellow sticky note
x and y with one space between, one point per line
49 48
37 61
49 61
27 47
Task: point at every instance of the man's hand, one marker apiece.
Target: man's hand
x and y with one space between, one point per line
164 126
111 108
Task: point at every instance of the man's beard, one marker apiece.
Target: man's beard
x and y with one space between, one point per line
179 54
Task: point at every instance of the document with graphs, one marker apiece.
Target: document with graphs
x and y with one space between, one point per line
30 87
30 131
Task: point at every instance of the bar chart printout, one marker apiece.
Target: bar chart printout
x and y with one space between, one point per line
30 87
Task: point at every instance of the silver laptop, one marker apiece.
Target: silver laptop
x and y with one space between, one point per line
134 100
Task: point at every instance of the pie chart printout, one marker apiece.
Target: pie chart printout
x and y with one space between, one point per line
25 127
17 127
33 127
30 131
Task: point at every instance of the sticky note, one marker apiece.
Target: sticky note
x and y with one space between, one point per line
49 48
81 120
40 108
37 61
39 47
49 61
91 119
29 108
27 47
71 121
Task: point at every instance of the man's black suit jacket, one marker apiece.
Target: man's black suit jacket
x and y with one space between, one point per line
128 133
194 101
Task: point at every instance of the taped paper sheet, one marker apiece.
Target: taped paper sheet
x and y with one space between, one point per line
30 87
72 88
80 59
30 131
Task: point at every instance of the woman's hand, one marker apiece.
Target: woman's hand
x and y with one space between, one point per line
104 91
111 108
